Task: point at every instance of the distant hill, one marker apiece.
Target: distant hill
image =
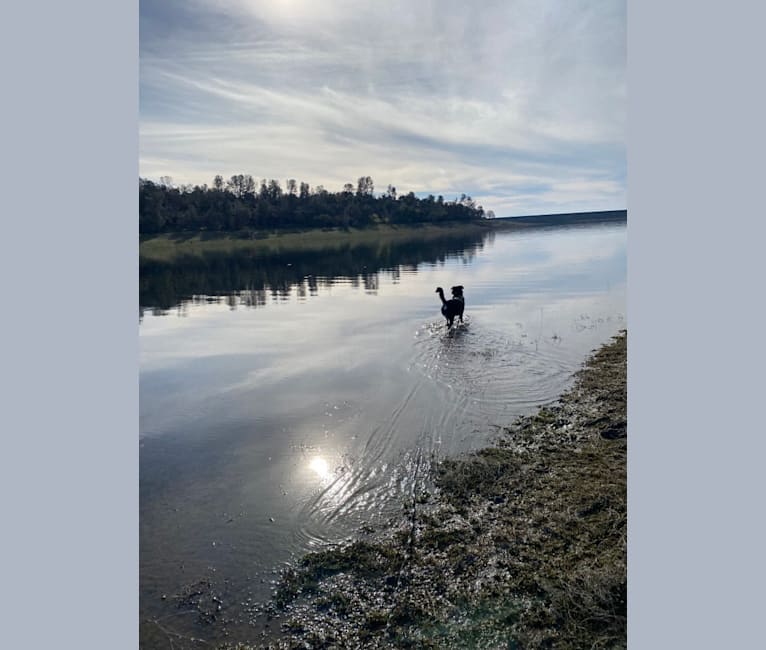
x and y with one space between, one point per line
567 218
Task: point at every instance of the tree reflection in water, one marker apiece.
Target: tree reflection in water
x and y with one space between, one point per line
248 278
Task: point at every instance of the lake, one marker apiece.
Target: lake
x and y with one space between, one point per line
289 400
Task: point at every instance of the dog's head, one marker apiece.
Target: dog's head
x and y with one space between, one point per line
457 291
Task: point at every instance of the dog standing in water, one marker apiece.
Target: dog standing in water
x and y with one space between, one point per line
454 306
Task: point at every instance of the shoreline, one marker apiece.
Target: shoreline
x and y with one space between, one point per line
171 245
567 218
167 246
521 544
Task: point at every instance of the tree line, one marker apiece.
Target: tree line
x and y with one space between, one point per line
241 203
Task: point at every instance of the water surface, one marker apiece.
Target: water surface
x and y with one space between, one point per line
286 400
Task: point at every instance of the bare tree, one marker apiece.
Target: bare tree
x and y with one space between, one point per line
364 186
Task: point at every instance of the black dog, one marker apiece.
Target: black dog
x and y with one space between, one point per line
453 307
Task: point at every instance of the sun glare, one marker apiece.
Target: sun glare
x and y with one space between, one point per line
320 466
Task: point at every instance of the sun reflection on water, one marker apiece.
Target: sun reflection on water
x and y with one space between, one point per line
320 466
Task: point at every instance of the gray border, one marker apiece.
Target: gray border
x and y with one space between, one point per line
695 148
69 459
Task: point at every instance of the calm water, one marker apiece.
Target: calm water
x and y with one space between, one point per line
286 401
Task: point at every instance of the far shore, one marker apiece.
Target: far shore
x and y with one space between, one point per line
564 219
170 245
167 246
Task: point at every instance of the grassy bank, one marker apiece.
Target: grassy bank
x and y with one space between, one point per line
170 246
521 545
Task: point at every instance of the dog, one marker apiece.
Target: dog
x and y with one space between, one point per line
454 306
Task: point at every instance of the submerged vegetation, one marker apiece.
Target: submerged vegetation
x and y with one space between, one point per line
521 545
241 203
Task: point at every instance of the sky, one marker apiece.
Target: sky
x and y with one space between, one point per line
520 104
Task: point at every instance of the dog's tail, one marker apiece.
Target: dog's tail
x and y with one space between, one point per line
440 291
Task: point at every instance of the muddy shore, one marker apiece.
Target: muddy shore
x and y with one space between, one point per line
519 545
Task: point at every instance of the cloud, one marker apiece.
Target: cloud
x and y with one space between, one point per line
520 104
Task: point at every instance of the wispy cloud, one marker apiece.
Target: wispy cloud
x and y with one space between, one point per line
520 104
